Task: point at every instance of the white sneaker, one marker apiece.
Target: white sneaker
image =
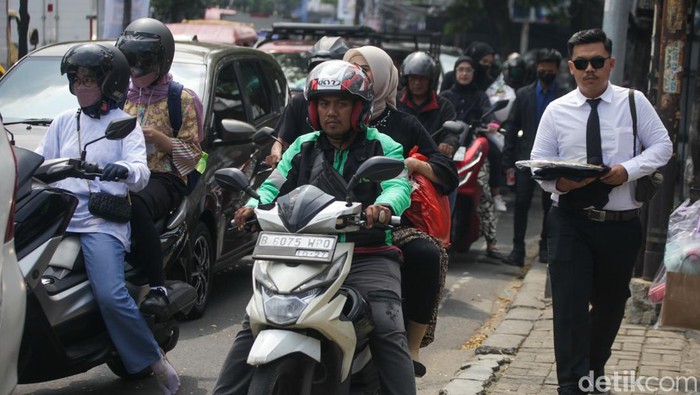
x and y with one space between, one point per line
499 203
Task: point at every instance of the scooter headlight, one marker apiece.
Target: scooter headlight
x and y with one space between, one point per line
283 309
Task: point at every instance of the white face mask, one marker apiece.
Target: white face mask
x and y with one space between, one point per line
87 96
145 80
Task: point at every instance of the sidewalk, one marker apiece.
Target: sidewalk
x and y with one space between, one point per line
518 357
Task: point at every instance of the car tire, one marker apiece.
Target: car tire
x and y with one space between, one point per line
201 268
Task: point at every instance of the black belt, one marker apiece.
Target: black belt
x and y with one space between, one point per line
606 215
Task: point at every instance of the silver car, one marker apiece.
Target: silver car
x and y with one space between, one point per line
12 291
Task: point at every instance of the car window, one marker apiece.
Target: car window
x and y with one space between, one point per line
253 85
36 88
228 103
294 65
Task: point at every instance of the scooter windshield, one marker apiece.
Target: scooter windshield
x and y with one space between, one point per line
298 207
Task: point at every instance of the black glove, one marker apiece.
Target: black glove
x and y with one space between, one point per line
114 172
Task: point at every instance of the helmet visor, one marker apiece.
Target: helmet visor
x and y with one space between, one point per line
143 51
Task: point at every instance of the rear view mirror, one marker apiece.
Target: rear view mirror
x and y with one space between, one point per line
264 135
233 179
377 168
116 130
120 128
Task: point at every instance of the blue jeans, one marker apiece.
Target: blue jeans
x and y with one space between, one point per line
104 262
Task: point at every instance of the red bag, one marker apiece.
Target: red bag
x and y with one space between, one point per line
429 210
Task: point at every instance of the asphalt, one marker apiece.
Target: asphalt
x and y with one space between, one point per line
518 356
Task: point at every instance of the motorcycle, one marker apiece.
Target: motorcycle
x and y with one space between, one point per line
63 332
469 159
311 332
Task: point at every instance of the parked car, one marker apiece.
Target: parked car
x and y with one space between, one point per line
242 89
12 291
289 42
214 31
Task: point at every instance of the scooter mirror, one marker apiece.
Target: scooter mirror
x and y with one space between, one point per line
263 136
377 168
233 179
120 128
499 105
453 127
116 130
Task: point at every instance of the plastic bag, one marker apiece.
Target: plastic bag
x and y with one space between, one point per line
682 253
429 210
657 289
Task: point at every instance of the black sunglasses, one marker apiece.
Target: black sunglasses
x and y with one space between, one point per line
597 62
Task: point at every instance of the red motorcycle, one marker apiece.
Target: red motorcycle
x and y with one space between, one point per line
469 159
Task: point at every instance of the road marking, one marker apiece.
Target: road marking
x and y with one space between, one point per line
457 285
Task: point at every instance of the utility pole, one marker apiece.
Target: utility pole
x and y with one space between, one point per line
615 21
670 32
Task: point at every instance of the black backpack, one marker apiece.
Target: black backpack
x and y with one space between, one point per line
175 114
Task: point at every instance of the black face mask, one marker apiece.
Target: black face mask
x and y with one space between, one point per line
546 77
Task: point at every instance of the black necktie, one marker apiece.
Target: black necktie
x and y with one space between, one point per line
596 193
594 152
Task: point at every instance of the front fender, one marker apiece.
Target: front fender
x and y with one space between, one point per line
271 344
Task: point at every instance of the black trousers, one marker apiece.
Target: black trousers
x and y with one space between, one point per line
590 266
161 195
378 279
525 187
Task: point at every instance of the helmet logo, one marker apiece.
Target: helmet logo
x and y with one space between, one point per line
328 82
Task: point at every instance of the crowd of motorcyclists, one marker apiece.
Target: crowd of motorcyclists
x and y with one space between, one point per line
372 109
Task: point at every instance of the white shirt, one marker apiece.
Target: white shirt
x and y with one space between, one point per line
61 141
562 135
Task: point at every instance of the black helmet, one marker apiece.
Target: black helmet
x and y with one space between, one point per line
148 45
108 64
327 48
548 55
420 63
337 77
516 72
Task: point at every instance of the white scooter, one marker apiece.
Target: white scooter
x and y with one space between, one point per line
311 332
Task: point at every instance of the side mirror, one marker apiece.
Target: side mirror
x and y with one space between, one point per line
264 135
454 127
116 130
377 168
120 128
233 179
499 105
235 131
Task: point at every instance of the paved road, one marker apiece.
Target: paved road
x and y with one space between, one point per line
475 289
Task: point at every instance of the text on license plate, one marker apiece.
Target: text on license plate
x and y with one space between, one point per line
296 241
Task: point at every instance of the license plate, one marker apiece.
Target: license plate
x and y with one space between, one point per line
301 247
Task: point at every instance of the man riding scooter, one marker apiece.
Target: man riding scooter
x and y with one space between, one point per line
340 100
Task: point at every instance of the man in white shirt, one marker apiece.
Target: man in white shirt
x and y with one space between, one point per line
594 228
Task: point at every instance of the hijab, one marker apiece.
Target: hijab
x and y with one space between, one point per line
477 50
460 88
384 74
159 91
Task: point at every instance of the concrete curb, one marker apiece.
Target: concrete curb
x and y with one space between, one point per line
476 374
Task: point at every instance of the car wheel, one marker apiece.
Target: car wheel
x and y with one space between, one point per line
200 270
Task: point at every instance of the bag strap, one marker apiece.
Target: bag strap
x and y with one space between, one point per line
633 111
175 106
